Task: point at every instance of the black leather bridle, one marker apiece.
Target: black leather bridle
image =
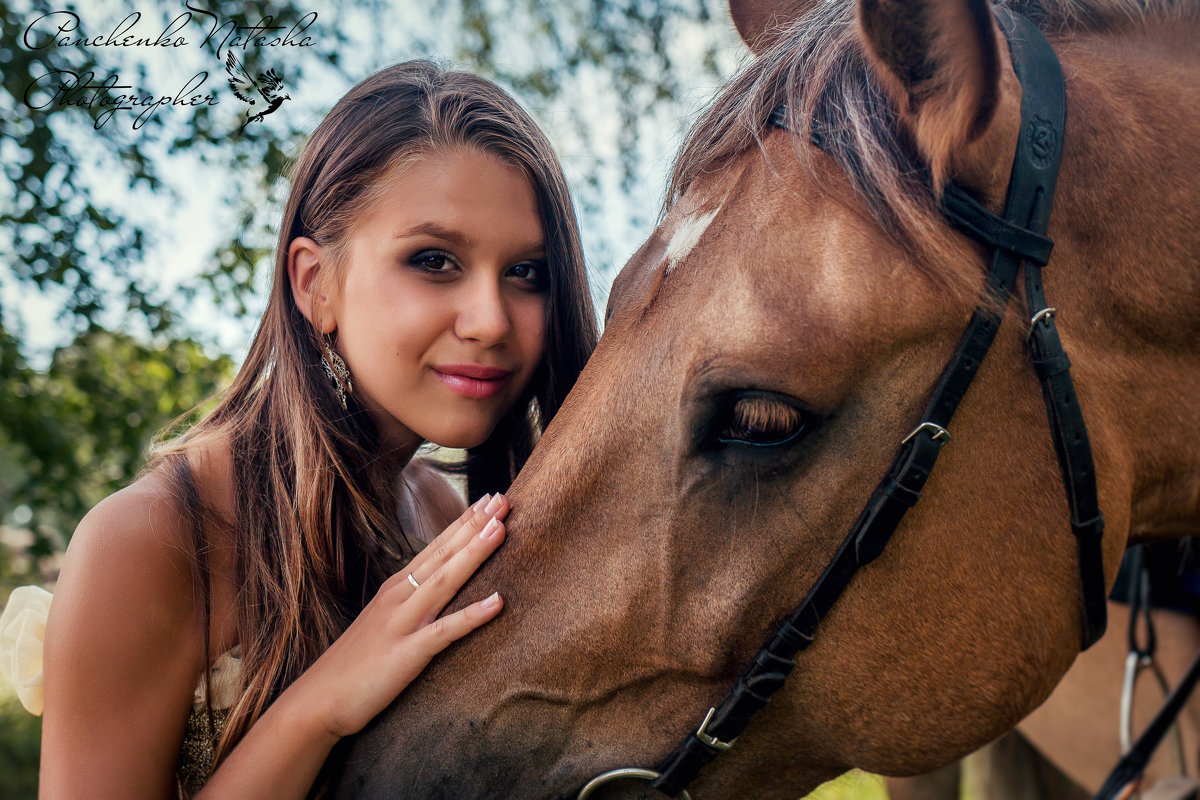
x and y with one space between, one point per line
1017 238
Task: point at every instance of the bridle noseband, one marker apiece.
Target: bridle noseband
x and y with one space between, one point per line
1017 238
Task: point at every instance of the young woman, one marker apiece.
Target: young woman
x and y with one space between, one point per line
260 591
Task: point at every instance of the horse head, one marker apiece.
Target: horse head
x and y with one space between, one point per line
765 353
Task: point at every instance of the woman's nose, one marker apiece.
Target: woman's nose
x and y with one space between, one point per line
482 314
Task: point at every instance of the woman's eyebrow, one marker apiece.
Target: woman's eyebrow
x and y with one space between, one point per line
438 230
461 239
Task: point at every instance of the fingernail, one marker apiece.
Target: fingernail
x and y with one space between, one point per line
491 601
480 502
493 506
490 529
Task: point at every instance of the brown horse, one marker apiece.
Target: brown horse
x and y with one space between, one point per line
1066 747
765 352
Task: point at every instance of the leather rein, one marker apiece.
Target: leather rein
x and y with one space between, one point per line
1016 239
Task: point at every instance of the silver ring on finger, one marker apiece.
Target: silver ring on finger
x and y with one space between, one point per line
413 581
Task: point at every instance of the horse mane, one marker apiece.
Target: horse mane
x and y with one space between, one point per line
817 68
1062 17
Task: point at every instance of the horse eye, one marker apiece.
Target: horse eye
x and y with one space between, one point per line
761 420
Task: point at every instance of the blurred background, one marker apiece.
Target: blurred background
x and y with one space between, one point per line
136 245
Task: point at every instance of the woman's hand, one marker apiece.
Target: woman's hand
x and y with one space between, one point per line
382 651
399 632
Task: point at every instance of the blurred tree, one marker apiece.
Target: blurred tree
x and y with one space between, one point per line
129 355
20 743
75 433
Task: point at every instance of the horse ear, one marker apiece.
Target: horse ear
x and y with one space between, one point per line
759 22
942 63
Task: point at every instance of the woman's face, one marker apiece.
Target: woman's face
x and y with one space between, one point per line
440 312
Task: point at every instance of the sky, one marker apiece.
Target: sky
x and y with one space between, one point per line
188 231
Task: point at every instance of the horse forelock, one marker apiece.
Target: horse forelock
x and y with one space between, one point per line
819 71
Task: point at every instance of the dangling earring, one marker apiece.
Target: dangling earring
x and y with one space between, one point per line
337 371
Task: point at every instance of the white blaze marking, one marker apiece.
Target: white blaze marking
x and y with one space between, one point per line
687 236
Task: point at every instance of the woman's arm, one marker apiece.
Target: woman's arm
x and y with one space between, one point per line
124 651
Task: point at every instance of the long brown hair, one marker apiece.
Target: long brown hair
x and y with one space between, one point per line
316 527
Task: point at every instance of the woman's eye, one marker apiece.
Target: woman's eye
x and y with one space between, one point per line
761 420
432 261
532 272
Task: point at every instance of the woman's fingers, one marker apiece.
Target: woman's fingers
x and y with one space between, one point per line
444 545
460 532
399 631
457 535
437 636
439 587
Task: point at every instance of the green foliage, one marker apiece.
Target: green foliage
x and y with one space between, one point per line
853 785
20 742
75 433
62 230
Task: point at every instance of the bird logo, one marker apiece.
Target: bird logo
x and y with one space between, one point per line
269 87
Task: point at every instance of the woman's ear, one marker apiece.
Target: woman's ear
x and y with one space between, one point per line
306 274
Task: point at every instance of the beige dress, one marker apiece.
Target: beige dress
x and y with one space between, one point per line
200 737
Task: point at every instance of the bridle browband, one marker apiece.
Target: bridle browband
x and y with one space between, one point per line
1017 238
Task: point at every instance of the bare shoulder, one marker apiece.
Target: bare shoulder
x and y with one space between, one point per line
133 545
429 501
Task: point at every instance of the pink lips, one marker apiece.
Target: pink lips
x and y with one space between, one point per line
472 380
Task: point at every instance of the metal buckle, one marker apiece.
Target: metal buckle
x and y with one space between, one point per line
1045 313
938 432
708 738
618 774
